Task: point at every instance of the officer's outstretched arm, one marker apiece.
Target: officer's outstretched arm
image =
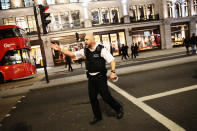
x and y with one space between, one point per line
64 51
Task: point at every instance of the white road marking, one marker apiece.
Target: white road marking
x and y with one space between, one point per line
153 113
168 93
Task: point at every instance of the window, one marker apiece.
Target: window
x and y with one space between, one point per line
114 15
75 18
95 17
186 8
150 11
20 21
31 24
105 16
7 33
5 4
141 13
28 3
15 57
8 21
50 2
178 10
133 13
74 1
65 20
195 7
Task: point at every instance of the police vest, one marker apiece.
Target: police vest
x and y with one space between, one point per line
94 61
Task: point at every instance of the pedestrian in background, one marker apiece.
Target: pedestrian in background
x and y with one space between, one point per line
124 54
136 47
193 43
186 43
68 62
133 51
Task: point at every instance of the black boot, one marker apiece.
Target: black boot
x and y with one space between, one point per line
95 120
120 113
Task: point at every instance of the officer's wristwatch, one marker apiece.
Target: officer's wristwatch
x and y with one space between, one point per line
113 71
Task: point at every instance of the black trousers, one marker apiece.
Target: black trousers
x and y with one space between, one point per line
98 85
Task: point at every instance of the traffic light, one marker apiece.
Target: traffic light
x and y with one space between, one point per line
44 16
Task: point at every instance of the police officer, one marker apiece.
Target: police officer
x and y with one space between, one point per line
96 57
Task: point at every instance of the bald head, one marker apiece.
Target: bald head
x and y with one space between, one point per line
89 40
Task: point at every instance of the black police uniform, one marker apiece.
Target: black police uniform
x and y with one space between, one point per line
97 84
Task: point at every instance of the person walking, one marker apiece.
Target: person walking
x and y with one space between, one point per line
186 43
193 43
123 49
136 48
96 58
68 62
133 51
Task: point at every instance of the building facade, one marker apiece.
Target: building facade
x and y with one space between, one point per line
151 24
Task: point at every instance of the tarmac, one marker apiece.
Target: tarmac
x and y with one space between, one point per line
149 60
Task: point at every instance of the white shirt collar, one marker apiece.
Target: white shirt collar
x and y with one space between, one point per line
94 47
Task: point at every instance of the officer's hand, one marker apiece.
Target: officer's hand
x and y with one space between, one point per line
113 76
55 46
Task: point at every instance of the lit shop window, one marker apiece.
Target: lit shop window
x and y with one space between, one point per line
114 15
74 1
28 3
95 17
75 18
31 24
21 22
105 16
178 33
50 2
170 13
97 39
8 21
65 20
5 4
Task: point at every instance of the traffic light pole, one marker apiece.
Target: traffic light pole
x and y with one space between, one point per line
41 45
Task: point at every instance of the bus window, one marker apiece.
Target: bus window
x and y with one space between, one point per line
19 32
7 33
11 57
26 56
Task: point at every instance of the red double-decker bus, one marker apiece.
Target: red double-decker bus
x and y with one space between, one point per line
15 60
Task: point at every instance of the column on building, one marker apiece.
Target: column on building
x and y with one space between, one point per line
183 8
165 31
48 52
191 7
164 9
173 10
128 38
125 11
192 26
87 21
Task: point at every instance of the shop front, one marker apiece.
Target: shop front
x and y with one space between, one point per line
35 54
112 40
146 37
179 31
69 42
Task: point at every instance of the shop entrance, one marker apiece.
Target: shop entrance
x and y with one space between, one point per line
112 40
179 31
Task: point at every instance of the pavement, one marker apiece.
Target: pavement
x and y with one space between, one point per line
148 60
